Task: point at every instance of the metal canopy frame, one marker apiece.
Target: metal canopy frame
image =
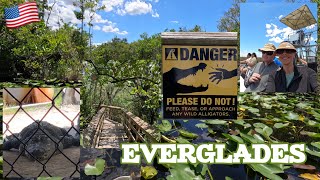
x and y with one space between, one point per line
297 20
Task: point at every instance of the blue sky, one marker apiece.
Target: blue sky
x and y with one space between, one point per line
260 24
130 18
172 14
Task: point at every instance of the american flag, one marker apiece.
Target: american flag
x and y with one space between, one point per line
22 14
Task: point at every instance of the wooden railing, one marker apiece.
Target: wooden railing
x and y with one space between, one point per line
136 129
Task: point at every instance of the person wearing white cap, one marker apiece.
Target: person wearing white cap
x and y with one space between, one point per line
258 80
291 78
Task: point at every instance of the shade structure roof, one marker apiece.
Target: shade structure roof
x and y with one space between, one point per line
299 18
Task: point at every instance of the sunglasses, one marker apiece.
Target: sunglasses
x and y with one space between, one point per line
267 52
288 51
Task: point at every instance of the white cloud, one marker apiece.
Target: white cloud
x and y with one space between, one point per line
278 34
280 16
111 4
96 27
113 29
155 14
96 18
63 12
244 52
311 26
176 22
268 26
276 40
130 7
137 7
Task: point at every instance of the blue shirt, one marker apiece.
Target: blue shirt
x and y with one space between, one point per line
277 61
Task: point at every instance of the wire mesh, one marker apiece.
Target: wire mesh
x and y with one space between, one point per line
37 129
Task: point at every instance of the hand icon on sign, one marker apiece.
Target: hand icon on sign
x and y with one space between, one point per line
223 74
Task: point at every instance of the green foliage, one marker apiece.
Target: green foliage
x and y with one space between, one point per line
96 169
164 126
187 134
148 172
182 172
34 51
127 75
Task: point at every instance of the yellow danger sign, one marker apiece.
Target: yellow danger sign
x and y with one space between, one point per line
199 70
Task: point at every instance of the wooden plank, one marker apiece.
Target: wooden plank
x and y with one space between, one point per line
129 134
199 38
138 135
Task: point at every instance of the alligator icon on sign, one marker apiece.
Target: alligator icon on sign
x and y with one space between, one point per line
171 53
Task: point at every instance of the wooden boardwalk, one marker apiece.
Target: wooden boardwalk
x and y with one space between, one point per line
112 126
111 134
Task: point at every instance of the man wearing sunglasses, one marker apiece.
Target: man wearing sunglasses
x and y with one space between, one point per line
258 80
291 78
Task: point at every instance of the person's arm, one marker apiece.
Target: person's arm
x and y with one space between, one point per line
245 61
303 61
271 86
246 79
313 81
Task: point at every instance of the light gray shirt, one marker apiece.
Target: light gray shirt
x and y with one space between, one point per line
264 71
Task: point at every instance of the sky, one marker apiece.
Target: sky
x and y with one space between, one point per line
260 24
131 18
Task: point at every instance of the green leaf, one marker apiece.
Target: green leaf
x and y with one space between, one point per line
242 123
182 140
292 116
165 126
316 144
187 134
211 131
182 172
303 105
228 178
253 110
263 129
233 138
280 125
311 134
215 122
148 172
312 151
201 125
202 169
251 139
267 170
97 169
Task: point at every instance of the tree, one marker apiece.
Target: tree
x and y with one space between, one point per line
230 22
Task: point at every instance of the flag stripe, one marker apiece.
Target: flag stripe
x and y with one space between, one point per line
23 23
22 17
22 14
18 20
28 11
27 4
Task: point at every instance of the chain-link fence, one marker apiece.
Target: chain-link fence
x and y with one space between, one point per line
41 132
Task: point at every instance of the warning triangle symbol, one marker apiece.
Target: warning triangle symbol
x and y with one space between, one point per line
171 55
